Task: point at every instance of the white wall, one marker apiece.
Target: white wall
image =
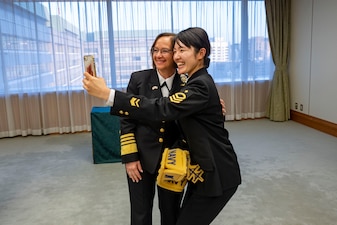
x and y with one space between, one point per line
313 58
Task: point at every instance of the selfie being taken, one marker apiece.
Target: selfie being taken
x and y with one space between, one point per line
168 112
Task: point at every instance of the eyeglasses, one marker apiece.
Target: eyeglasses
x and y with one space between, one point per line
163 51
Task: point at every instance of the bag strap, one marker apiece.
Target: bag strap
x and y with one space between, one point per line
183 141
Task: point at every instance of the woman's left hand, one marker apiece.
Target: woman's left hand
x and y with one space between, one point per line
222 102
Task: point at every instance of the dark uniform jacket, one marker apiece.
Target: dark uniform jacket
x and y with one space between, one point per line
197 108
150 137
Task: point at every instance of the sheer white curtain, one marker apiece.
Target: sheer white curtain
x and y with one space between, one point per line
43 43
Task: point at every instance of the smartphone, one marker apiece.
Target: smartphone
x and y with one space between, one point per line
89 65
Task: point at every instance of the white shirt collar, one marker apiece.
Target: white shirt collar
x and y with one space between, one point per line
169 81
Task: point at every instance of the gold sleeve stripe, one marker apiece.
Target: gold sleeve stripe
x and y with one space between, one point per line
128 135
128 149
129 139
128 144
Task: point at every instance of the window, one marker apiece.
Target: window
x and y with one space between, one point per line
43 43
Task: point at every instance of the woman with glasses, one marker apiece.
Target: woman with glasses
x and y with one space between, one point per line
197 109
143 141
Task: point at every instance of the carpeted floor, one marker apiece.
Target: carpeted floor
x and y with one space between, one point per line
289 176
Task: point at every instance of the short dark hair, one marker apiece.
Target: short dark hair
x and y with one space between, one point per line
198 38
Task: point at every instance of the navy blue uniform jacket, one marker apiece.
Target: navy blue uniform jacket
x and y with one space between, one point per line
197 108
150 137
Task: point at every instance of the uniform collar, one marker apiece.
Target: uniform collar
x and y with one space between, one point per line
169 81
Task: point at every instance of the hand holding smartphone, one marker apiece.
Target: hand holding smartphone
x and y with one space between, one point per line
89 65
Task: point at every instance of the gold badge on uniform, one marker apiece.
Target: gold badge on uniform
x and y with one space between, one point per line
194 173
183 78
134 102
178 97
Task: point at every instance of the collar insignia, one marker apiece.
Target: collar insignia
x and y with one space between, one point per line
183 78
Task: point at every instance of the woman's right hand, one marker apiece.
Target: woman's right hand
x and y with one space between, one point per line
95 86
134 170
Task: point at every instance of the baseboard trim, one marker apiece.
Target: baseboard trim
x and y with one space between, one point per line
313 122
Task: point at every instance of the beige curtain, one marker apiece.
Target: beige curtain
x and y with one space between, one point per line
278 21
45 113
244 100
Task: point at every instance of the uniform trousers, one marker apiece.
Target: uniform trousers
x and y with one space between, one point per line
141 200
202 210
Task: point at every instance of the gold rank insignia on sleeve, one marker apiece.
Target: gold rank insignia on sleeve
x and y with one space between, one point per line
128 144
178 97
194 173
134 102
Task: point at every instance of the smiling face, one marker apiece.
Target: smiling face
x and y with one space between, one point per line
162 56
188 59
